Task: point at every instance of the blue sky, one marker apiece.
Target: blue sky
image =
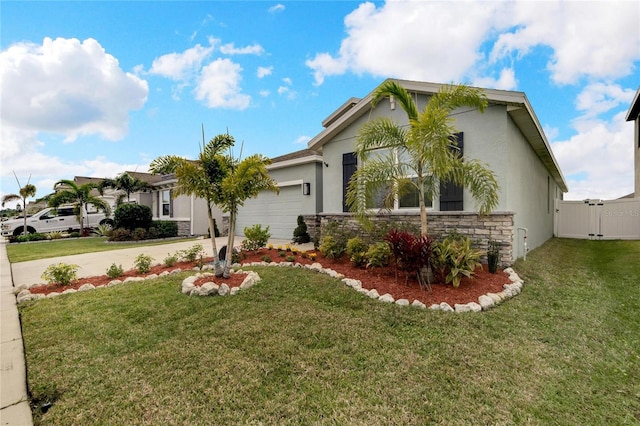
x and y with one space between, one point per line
96 88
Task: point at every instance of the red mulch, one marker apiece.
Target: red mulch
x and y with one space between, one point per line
382 279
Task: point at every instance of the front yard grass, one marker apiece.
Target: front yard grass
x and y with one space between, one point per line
302 348
45 249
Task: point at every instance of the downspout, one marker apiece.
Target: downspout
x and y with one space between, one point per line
525 242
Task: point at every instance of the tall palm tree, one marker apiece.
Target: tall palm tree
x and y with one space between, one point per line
418 157
29 190
69 192
201 178
127 184
245 179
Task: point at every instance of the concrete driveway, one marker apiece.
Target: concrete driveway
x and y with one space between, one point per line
92 264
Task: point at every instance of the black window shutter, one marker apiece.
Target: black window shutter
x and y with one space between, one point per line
349 166
450 193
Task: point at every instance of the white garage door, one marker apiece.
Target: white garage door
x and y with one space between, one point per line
278 211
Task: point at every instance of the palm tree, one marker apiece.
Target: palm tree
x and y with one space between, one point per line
419 157
127 184
25 192
201 178
246 179
79 195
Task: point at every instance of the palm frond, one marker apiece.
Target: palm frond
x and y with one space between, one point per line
399 93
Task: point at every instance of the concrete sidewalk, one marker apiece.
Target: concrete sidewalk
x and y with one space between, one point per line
14 402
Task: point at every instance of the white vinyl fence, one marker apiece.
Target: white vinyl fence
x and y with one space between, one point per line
598 220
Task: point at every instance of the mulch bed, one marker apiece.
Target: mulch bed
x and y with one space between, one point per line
382 279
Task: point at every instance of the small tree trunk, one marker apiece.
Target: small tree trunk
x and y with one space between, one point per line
216 259
229 255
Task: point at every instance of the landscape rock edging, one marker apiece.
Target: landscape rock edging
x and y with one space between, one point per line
210 288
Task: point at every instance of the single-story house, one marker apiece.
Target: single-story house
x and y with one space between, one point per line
634 115
507 137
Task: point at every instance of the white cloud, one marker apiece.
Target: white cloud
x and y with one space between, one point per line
506 81
67 87
302 140
438 41
286 89
598 161
277 8
230 49
181 66
414 40
597 98
264 71
219 86
595 39
264 93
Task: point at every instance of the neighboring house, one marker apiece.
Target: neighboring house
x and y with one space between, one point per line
299 178
634 115
507 137
188 211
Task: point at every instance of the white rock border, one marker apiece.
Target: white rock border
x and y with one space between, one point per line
485 302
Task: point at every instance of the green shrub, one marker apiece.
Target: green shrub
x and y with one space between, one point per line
74 234
139 234
120 234
61 274
115 271
282 253
266 258
290 258
339 232
331 248
378 255
192 253
300 234
356 250
143 263
171 259
493 256
36 236
256 237
454 258
132 216
165 228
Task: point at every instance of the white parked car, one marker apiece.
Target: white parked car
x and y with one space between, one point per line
53 219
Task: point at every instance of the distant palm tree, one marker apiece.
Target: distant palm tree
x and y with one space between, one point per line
79 196
419 157
25 192
127 184
201 178
245 179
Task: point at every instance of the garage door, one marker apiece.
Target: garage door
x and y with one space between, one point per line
278 211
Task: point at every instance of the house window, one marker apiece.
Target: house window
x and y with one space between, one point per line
165 202
411 199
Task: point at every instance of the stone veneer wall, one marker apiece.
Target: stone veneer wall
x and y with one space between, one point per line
496 226
184 228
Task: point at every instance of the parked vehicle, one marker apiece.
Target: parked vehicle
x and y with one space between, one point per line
54 219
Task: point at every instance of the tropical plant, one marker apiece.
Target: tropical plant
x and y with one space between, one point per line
454 258
55 235
69 192
411 254
25 192
126 184
256 237
201 178
399 160
330 247
104 230
245 179
61 273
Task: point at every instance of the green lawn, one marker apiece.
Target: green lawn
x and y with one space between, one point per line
45 249
301 348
